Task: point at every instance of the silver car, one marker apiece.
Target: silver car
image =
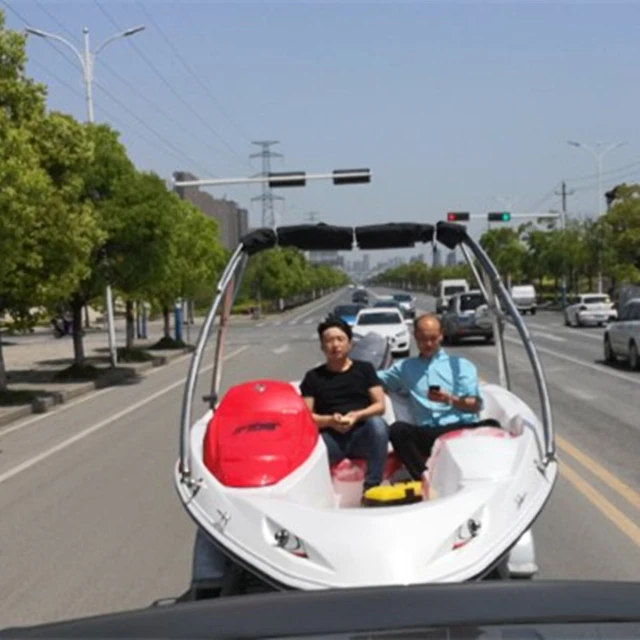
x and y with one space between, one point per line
622 336
407 304
467 317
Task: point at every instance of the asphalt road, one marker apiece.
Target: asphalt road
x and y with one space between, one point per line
91 523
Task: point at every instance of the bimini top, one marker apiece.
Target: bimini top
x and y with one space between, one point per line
324 237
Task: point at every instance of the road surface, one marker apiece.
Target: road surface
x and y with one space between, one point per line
91 523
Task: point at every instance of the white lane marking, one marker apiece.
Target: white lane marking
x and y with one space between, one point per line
579 393
277 323
537 325
282 349
316 307
308 321
598 368
548 336
260 325
58 409
576 333
27 464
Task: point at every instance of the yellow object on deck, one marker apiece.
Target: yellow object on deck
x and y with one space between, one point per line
393 495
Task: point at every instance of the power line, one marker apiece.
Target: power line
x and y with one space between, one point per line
171 148
72 61
169 86
267 198
190 71
151 129
129 85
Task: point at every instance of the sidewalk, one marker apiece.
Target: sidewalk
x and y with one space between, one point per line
34 363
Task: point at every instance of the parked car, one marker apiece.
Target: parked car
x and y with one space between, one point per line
589 309
622 336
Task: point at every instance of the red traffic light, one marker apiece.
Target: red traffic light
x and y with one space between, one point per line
460 216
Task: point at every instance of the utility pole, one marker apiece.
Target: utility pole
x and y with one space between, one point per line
311 216
87 59
564 193
267 198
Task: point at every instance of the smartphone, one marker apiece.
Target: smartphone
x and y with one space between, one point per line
434 387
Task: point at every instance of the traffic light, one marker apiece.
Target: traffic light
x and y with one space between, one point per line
499 216
288 179
460 216
351 176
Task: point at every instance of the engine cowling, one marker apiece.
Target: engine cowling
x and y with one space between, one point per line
260 433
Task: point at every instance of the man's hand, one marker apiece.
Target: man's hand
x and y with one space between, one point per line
351 418
343 423
439 396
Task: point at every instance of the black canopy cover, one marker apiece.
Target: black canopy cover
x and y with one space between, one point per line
324 237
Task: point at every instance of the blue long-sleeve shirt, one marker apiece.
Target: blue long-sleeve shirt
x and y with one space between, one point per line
414 376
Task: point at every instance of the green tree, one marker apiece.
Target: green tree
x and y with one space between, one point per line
45 234
620 230
193 260
139 219
506 251
103 177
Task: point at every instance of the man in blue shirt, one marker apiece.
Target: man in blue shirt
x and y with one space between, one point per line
443 393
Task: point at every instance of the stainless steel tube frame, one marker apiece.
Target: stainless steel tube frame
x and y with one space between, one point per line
228 298
499 288
490 297
192 377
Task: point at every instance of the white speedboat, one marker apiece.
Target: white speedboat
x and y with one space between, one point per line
255 476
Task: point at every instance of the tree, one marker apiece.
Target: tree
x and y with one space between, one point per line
45 235
505 249
194 258
102 177
139 218
620 231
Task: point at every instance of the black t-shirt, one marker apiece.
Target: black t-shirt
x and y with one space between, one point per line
340 392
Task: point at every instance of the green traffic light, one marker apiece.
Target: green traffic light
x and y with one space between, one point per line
499 216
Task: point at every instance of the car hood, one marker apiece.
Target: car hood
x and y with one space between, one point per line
386 330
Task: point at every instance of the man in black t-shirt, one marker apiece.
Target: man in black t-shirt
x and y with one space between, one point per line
347 401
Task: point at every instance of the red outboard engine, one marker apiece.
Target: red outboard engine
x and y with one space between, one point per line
260 433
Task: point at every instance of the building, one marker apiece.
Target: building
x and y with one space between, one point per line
451 259
233 221
328 258
437 258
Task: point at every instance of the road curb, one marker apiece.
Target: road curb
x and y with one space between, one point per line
109 379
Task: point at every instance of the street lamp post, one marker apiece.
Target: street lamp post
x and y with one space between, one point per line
598 153
87 60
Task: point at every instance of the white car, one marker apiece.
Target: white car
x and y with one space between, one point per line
622 337
524 297
389 323
589 308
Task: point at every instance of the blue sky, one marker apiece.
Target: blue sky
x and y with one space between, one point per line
450 104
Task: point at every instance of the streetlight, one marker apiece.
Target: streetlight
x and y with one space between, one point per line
87 61
598 153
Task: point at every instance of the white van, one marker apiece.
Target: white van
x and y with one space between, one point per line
524 297
448 288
